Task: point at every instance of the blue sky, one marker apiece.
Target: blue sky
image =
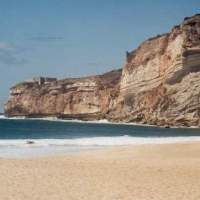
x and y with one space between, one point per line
65 38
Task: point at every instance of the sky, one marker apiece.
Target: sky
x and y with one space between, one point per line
71 38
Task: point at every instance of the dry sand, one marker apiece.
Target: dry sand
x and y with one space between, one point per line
144 172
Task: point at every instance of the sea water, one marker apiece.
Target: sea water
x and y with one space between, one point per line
38 137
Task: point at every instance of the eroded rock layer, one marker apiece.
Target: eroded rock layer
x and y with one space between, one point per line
161 80
159 84
84 98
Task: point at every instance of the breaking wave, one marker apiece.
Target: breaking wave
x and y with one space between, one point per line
96 141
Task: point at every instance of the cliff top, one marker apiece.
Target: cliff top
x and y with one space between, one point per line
108 79
187 21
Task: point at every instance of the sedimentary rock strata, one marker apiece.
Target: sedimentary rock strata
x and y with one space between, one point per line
85 98
159 84
160 81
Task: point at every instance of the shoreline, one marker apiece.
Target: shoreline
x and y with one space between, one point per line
17 149
147 172
126 149
101 121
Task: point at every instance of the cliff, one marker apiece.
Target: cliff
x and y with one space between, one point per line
84 98
159 84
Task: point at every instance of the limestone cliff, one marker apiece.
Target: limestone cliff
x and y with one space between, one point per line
160 84
85 98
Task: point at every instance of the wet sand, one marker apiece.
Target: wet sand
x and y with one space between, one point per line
145 172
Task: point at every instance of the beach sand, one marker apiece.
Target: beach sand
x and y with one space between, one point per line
168 171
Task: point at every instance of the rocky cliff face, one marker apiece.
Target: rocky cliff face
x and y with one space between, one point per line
161 80
85 98
160 84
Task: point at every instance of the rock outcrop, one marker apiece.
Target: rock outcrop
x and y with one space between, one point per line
159 84
84 98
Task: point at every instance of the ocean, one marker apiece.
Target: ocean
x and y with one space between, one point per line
39 137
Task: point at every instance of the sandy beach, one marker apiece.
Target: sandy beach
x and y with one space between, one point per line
167 172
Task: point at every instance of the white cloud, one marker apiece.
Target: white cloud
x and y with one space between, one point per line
9 55
47 38
5 46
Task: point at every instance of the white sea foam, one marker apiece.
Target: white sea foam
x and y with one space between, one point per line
55 119
19 117
21 148
2 117
97 141
102 121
